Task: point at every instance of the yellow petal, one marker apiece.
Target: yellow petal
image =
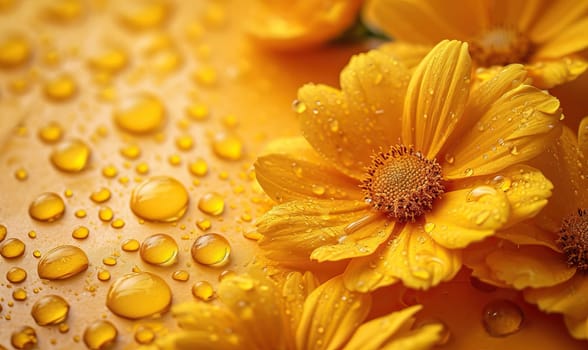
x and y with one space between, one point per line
410 255
555 18
529 266
436 97
292 230
525 187
257 303
569 298
285 178
287 25
204 327
424 22
550 73
393 329
331 315
572 39
295 290
374 229
516 127
409 54
475 258
294 147
578 327
527 233
466 216
346 127
583 136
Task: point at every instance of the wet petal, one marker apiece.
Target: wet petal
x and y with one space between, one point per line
357 242
583 136
347 126
331 315
518 126
466 216
475 258
292 230
578 327
285 178
393 331
569 298
556 18
409 54
550 73
295 290
529 266
411 255
527 233
572 39
436 97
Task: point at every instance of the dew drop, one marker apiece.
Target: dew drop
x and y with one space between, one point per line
468 172
159 249
144 14
16 275
449 158
80 232
61 88
502 182
62 262
99 335
71 156
103 275
51 133
101 195
12 248
160 198
19 294
429 227
144 335
24 338
199 167
204 224
502 317
21 174
203 291
298 106
111 60
184 142
212 204
109 171
105 214
131 152
181 275
198 111
130 245
141 114
50 310
139 295
47 207
118 223
228 147
14 51
211 249
206 76
142 168
477 193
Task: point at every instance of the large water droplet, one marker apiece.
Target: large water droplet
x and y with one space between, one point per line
62 262
71 156
47 207
24 338
50 310
12 248
159 249
502 317
139 295
160 198
212 204
140 114
211 249
100 335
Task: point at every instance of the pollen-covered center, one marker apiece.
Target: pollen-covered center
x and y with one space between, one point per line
573 239
402 183
500 46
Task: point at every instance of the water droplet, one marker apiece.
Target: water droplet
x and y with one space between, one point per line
14 51
3 232
198 111
99 335
477 193
227 146
61 88
62 262
184 142
212 204
502 317
139 295
318 190
502 182
514 150
24 338
142 15
109 261
160 198
140 114
101 195
50 310
204 224
16 275
71 156
449 158
206 76
21 174
118 223
109 171
181 275
19 294
468 172
51 133
199 167
130 245
12 248
203 291
159 249
429 227
47 207
142 168
144 335
211 249
298 106
103 275
111 60
131 152
105 214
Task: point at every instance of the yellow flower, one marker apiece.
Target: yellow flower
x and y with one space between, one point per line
256 313
547 36
408 168
295 25
547 257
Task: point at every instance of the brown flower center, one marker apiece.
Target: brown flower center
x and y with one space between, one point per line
573 239
403 183
500 46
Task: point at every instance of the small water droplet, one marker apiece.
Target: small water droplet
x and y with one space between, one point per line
502 317
138 295
159 249
16 275
100 335
131 152
468 172
211 249
24 338
51 133
130 245
199 167
298 106
21 174
14 51
71 156
227 146
203 291
12 248
19 294
144 336
502 182
212 204
478 192
140 114
181 275
62 262
50 310
105 214
60 88
429 227
101 195
160 198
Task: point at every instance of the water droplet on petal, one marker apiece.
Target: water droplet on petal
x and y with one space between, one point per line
159 249
47 207
502 317
99 335
139 295
62 262
212 204
71 156
50 310
140 114
12 248
211 249
160 198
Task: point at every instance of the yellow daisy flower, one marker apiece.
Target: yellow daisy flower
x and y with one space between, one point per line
296 25
256 313
547 36
547 257
407 169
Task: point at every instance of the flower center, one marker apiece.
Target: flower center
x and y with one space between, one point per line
500 46
402 183
573 239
